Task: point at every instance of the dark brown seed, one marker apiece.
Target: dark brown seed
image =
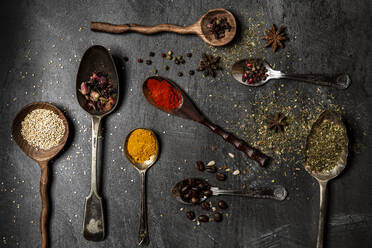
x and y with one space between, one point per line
201 186
152 54
180 74
185 189
203 218
222 204
207 193
199 166
191 72
217 217
205 206
148 62
190 181
195 200
183 61
166 68
211 169
190 215
195 189
214 148
177 62
220 176
189 55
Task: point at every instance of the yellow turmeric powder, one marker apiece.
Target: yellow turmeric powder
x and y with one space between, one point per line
141 145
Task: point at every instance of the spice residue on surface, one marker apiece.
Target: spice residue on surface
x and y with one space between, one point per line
326 143
42 128
141 145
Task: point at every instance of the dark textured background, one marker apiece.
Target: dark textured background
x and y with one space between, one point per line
42 42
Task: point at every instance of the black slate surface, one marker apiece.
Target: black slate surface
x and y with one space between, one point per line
42 42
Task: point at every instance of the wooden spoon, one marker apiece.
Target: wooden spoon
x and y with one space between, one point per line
188 110
41 157
199 28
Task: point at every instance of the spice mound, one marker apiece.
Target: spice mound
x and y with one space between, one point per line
325 146
218 27
254 71
42 128
141 145
164 94
99 92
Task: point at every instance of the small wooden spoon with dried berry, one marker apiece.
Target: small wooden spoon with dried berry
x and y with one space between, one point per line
217 27
257 72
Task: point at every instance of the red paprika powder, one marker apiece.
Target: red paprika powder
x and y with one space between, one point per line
164 94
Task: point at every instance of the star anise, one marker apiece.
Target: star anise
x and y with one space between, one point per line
275 37
277 122
209 64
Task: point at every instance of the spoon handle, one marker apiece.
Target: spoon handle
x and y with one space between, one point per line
44 183
322 213
122 28
239 144
143 236
340 82
277 192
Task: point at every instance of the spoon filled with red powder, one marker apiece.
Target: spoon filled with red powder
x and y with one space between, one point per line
167 96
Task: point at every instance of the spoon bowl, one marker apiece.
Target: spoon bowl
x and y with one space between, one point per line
41 156
95 59
324 176
199 28
143 236
341 81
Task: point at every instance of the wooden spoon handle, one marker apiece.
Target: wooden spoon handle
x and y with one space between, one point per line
117 29
239 144
44 183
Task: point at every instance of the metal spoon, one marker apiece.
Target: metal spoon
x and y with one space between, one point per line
276 192
143 236
324 177
340 82
189 111
199 28
96 58
42 157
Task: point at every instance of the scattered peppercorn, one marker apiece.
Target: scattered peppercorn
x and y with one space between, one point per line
148 62
183 61
180 74
152 54
191 72
166 68
170 52
155 71
169 57
177 62
139 60
189 55
163 55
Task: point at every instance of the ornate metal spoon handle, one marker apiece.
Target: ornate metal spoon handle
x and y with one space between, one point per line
341 82
276 192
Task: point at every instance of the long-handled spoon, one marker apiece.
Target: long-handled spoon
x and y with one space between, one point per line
42 157
188 110
143 236
271 192
95 59
199 28
324 177
340 82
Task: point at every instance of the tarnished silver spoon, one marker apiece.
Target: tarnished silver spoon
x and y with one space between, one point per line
276 192
341 81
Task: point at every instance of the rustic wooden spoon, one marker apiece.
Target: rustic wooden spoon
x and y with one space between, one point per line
95 59
199 28
188 110
42 157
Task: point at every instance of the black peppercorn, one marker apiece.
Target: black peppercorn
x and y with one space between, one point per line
180 74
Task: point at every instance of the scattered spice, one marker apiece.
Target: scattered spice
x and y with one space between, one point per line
166 67
189 55
191 72
163 55
254 71
142 145
180 74
152 54
42 128
139 60
326 143
218 26
275 37
148 62
209 64
277 122
164 94
99 92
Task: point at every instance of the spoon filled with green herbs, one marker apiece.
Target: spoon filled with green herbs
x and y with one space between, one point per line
325 157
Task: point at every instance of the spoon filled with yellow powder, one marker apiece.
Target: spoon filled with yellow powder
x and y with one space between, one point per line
141 147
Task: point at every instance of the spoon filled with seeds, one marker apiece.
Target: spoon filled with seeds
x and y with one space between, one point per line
257 72
41 130
325 157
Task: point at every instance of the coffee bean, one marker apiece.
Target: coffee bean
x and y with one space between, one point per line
217 217
190 215
222 204
220 176
205 206
199 166
211 169
195 200
207 193
203 218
